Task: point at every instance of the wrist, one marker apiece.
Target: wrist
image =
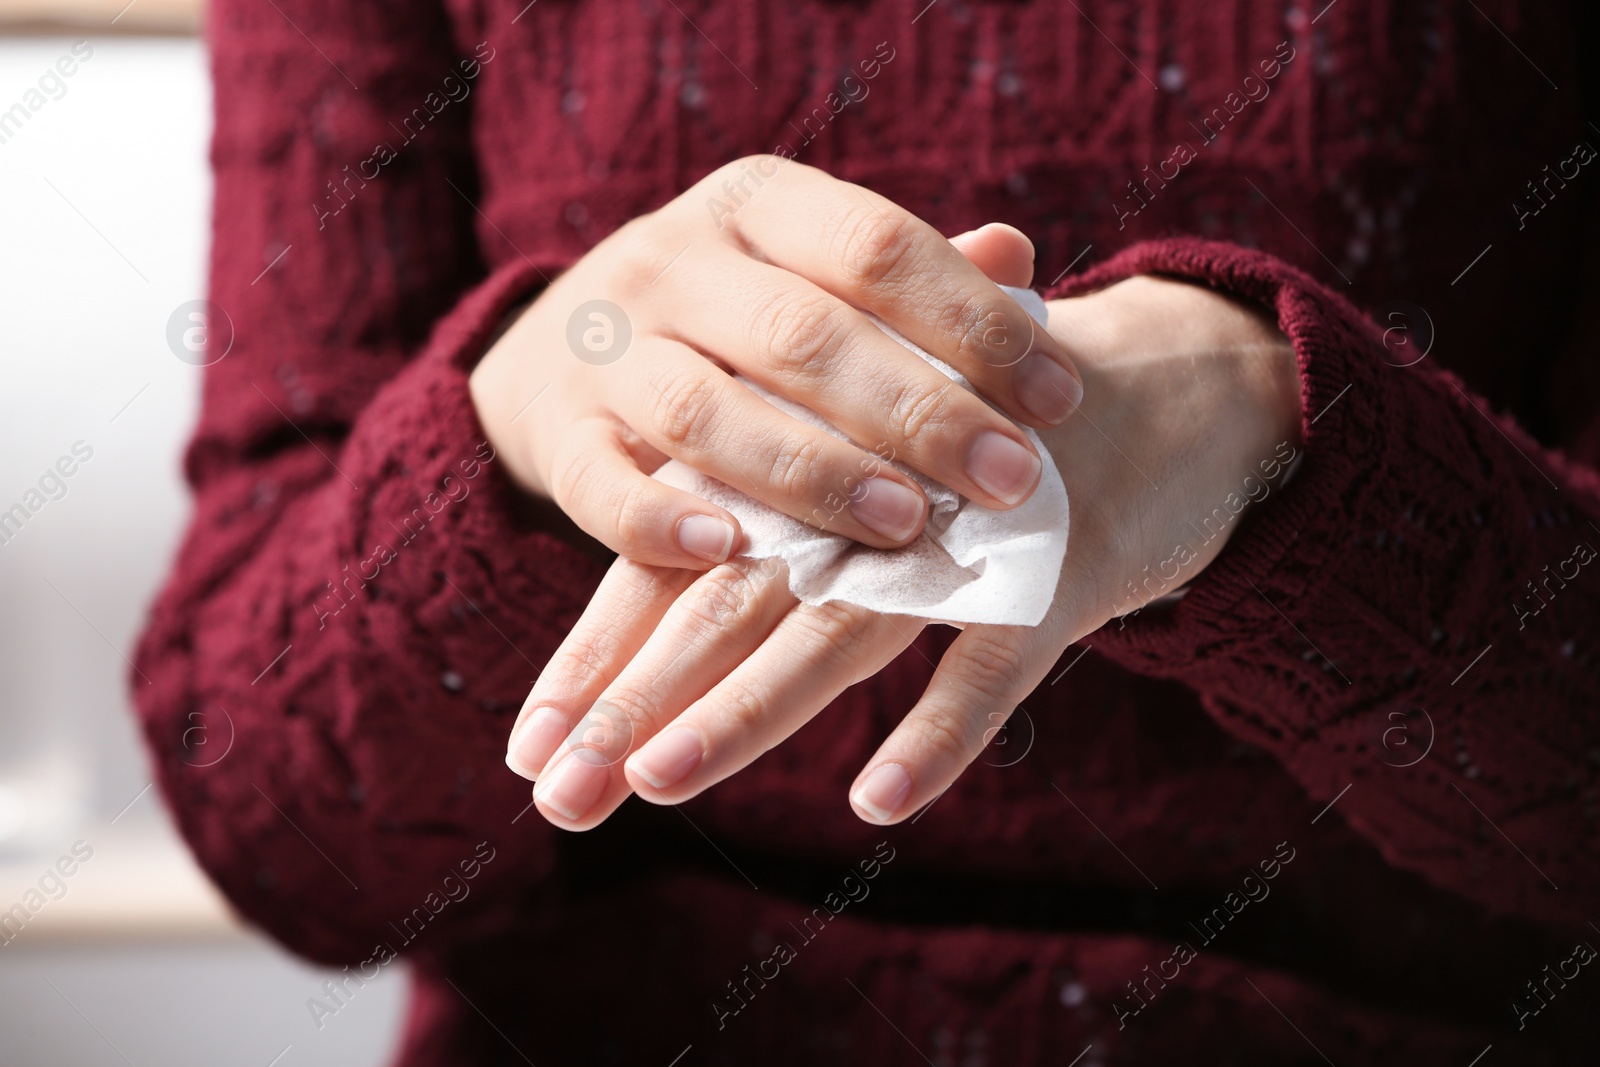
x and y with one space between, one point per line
1191 412
502 396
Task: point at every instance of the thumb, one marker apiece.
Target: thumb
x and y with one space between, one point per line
1003 253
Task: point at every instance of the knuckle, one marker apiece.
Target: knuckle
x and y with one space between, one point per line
642 249
633 519
917 413
684 411
952 737
836 619
800 335
639 230
588 660
979 328
762 167
721 598
992 665
573 476
844 639
765 572
742 706
763 163
832 625
795 464
872 246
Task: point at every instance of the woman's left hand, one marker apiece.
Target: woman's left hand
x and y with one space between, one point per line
674 680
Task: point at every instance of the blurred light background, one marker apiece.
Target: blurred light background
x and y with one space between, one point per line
132 959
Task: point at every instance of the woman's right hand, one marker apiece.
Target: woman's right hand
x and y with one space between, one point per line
760 269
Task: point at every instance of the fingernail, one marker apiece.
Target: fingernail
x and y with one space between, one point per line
669 757
534 741
1047 389
575 784
1003 467
706 537
888 508
883 791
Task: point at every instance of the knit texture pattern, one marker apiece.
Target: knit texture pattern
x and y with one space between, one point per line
1390 673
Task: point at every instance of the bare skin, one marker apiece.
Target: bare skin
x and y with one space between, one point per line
770 291
673 680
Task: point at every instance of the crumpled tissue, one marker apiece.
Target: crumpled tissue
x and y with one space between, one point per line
970 564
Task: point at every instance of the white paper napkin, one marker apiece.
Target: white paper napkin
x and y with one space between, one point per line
970 563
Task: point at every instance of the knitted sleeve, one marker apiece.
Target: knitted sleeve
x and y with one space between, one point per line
355 614
1409 625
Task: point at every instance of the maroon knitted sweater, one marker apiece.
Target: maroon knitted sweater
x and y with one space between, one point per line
1337 804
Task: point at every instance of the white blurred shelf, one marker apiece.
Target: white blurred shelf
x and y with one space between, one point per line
107 196
107 191
140 883
102 16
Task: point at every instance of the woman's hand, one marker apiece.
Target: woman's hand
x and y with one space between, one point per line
679 680
760 270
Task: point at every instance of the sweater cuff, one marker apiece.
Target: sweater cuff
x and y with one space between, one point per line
421 443
1276 558
463 336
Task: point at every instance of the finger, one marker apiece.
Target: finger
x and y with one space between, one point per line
1003 253
877 256
694 411
983 676
790 336
812 656
718 621
599 485
620 617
